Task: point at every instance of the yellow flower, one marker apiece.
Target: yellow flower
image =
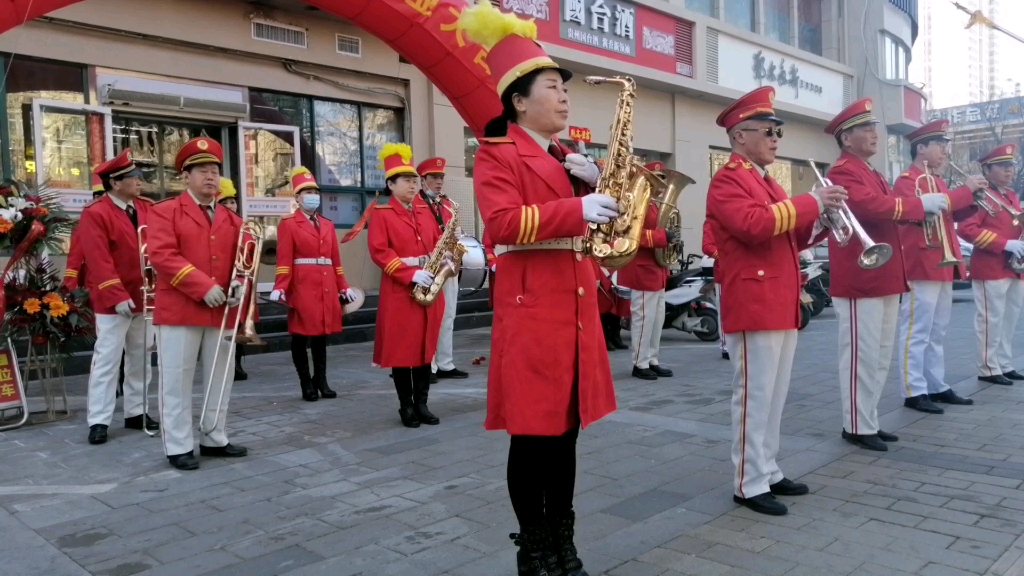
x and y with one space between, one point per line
58 309
32 306
5 226
52 297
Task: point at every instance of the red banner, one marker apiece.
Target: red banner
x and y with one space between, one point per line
577 134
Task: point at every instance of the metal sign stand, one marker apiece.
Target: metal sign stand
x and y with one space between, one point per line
12 388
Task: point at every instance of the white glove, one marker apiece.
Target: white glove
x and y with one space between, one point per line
934 203
215 297
1015 247
423 278
494 267
599 208
349 294
234 294
124 309
581 167
276 296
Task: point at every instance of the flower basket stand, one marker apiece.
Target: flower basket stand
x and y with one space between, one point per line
44 362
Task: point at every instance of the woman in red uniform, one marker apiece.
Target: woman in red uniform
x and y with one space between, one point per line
402 234
549 372
310 280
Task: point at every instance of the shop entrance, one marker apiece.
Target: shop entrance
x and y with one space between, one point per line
68 139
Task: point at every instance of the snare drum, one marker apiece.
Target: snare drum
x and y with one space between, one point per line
473 274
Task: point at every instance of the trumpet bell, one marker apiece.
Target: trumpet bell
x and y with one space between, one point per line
949 263
875 256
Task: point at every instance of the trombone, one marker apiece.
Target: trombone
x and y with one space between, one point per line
935 225
844 226
148 307
245 270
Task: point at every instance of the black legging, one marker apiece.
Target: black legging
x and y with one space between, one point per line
542 476
318 347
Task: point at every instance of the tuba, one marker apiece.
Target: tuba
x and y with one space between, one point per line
666 193
614 244
148 307
438 263
844 226
935 226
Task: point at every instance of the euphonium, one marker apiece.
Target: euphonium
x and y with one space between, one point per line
614 244
666 193
935 226
438 263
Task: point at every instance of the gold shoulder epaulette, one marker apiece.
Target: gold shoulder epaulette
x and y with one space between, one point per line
497 140
382 207
840 163
905 175
732 165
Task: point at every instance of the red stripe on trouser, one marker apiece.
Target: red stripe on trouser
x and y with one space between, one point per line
984 298
643 322
854 429
743 420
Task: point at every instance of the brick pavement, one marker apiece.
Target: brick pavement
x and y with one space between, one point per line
340 488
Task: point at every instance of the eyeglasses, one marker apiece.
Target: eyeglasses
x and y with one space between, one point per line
769 132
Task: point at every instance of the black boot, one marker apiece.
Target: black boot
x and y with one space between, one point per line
421 388
606 328
319 352
532 558
562 531
403 386
240 373
302 367
615 331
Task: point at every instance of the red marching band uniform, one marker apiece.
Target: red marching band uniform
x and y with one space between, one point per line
710 250
74 274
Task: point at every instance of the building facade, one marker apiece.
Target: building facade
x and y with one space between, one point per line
280 82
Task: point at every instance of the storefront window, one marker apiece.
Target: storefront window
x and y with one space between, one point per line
795 176
706 7
472 145
809 12
154 145
288 110
777 20
65 133
740 13
337 144
380 126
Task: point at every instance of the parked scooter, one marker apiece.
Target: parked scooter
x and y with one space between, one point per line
817 286
689 302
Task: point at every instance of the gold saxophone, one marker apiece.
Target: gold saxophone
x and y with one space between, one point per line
614 244
437 263
666 193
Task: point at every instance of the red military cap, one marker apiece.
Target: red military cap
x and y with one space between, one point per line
856 114
121 167
655 166
513 50
1002 153
431 166
756 105
302 179
396 159
936 129
199 151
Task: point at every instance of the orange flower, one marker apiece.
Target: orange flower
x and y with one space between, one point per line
58 309
5 226
52 297
42 211
32 306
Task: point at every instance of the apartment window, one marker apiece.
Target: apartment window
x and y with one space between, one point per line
740 13
777 16
896 58
705 7
809 13
348 139
288 110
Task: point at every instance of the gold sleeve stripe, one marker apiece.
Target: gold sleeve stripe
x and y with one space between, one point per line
529 223
181 274
71 274
109 283
985 238
790 209
715 255
340 271
778 219
899 209
949 202
785 216
392 266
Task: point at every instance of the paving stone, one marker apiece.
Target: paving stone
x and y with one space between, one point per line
976 548
942 556
198 564
272 563
891 560
682 563
636 568
812 558
643 506
759 563
283 536
971 532
904 532
741 540
802 538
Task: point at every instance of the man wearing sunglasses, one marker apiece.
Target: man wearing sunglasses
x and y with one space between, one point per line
759 231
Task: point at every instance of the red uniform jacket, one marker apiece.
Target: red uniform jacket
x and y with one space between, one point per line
643 272
191 256
406 334
710 250
759 232
74 276
549 367
989 234
110 244
311 290
921 262
880 213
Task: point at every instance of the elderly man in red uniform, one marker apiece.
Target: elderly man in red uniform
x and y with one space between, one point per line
759 232
646 279
867 300
108 236
925 312
998 289
193 242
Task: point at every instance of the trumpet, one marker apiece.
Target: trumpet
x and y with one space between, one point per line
993 204
935 226
844 226
148 307
245 270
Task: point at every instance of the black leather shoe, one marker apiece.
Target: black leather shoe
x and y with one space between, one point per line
424 415
660 372
135 423
725 355
608 344
240 374
409 417
454 373
185 461
866 441
887 437
950 397
97 434
1013 375
787 487
228 451
921 403
433 377
325 390
997 379
763 504
644 373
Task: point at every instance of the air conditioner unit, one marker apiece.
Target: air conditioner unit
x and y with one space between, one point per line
113 96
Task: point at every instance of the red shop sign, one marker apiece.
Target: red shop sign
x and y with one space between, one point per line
577 134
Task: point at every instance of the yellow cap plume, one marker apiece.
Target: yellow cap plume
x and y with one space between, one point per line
298 170
390 149
486 25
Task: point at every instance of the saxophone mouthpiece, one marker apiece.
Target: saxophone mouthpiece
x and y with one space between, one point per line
594 79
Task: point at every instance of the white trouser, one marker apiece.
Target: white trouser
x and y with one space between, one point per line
761 362
924 316
443 359
647 310
998 303
116 334
718 305
867 329
178 348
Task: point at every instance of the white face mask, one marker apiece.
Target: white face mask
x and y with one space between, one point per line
310 201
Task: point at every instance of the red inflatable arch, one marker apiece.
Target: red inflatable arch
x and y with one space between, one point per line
421 31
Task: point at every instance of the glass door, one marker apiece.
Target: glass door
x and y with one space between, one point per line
70 139
267 153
